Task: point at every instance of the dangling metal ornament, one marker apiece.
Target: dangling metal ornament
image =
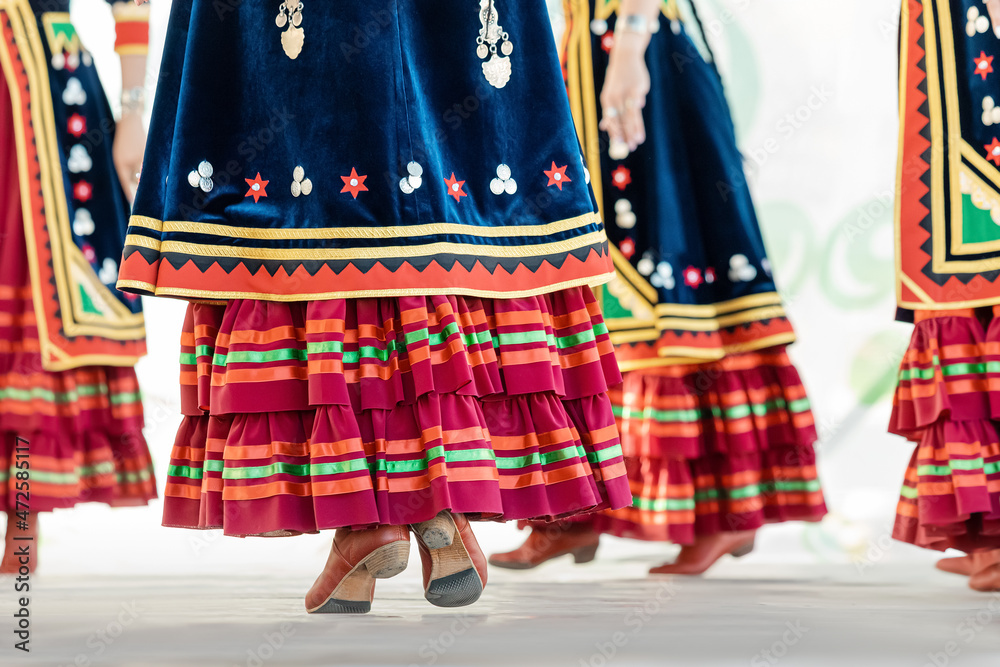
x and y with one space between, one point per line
497 69
290 14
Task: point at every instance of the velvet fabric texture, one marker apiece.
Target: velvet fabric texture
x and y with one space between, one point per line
494 198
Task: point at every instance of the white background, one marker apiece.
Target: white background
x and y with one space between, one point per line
823 194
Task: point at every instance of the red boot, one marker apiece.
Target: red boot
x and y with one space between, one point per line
18 528
961 565
544 544
696 558
357 559
454 566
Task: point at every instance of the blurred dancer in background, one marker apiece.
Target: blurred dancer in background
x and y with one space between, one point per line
716 425
948 282
70 410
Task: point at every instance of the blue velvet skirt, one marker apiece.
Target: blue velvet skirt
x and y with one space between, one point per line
341 150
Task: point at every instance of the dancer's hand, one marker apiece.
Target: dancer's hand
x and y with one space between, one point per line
993 7
141 2
626 86
130 142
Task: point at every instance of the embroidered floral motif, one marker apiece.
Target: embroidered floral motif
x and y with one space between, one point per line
503 182
977 23
83 222
83 191
79 160
766 265
993 151
608 42
710 275
741 270
984 65
108 273
692 277
455 187
89 253
354 183
621 177
598 26
586 172
413 180
991 112
74 95
627 248
624 216
557 176
646 265
664 276
301 186
258 188
76 125
202 177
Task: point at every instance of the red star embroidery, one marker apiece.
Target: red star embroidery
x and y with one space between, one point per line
257 188
692 277
455 187
557 176
608 41
621 177
354 183
627 248
77 125
984 64
993 151
88 253
83 191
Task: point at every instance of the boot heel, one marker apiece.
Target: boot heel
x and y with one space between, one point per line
742 551
437 533
388 561
584 554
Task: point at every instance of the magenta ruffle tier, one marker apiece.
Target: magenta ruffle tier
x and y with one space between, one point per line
946 402
301 417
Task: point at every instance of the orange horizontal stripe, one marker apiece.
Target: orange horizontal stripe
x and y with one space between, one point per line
341 486
189 491
259 375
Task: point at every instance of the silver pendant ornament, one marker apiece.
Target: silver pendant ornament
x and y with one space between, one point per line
496 67
292 40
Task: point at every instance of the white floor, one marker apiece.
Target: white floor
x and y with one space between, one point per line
605 613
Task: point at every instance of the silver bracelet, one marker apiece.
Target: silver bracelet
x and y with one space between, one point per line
133 99
640 24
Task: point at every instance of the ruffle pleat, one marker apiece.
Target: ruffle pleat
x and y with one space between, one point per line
311 416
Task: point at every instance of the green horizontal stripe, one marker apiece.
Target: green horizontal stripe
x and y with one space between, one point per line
185 471
188 359
133 477
663 504
602 455
13 393
909 492
126 397
991 468
949 370
260 356
73 478
438 339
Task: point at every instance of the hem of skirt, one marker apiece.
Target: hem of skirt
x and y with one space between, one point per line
149 289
